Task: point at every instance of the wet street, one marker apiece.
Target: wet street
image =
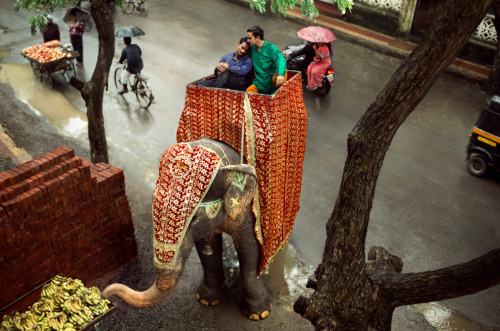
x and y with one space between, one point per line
428 209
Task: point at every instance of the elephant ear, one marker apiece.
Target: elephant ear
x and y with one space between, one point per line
243 184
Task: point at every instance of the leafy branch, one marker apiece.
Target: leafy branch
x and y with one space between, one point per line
307 7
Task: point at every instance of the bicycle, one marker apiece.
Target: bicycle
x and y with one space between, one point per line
139 86
139 5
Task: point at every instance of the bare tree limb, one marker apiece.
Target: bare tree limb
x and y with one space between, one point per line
447 283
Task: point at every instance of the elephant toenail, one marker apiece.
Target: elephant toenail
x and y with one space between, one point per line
204 302
254 317
198 296
215 303
264 314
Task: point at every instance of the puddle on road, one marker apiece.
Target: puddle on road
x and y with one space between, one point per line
443 319
4 53
44 101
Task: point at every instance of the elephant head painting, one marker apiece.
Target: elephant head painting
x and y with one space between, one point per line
203 187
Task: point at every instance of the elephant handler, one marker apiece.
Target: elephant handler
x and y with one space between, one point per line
267 60
131 53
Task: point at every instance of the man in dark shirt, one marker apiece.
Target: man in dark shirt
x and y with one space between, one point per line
131 53
51 31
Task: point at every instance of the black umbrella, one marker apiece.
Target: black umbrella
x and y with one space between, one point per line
129 31
81 15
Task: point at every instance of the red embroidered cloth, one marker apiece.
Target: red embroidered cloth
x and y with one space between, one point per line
275 134
185 175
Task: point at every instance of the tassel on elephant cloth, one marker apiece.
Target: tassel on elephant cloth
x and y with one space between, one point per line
275 143
185 175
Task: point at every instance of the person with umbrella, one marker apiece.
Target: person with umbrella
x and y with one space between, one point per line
76 29
321 37
133 55
318 67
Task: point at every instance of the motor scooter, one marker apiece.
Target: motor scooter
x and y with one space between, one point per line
298 57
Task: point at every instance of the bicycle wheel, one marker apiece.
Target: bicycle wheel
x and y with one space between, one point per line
127 6
143 93
118 74
143 9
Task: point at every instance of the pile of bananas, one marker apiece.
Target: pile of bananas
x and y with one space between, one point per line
65 305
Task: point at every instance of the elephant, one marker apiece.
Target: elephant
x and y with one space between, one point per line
235 217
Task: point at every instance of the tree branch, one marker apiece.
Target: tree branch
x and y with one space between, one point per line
447 283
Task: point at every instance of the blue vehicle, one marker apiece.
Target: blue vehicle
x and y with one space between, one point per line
483 151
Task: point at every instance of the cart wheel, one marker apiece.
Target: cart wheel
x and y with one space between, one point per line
477 165
36 69
127 7
143 93
47 78
70 70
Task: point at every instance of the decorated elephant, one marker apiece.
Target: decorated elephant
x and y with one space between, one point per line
203 190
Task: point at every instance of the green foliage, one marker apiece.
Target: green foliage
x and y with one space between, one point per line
42 9
306 6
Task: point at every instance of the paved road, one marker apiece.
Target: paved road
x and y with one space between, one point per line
427 209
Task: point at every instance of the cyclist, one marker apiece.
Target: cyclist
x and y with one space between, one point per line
131 53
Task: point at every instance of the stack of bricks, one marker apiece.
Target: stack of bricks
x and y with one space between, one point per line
61 214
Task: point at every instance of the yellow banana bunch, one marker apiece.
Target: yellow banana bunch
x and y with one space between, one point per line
65 305
71 285
81 291
94 297
57 320
58 280
46 306
8 321
60 297
72 305
48 290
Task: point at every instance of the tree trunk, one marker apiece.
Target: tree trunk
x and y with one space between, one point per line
346 296
93 90
492 86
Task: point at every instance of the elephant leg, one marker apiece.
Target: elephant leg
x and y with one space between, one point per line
256 304
211 290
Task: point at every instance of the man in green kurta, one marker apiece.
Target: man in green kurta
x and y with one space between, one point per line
267 60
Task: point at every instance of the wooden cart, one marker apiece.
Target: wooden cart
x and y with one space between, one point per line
44 71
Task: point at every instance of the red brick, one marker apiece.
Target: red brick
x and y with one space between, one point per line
4 181
12 176
4 196
16 173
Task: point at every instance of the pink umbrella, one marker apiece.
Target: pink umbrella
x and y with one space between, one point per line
316 34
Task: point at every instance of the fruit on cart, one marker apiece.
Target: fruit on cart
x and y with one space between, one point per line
65 304
52 43
44 54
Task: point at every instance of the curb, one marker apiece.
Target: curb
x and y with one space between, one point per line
9 149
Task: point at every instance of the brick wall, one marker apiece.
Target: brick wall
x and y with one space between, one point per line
60 213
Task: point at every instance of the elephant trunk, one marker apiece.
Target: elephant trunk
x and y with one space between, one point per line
152 296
